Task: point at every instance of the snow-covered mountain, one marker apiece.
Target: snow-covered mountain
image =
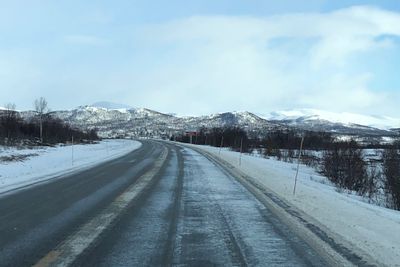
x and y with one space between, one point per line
117 121
120 120
110 105
309 116
243 119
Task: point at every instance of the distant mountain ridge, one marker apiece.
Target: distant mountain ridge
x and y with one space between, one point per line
110 105
344 118
113 119
145 122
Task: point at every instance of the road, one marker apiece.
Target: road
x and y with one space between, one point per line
192 214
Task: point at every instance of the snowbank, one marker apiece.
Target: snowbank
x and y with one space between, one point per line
48 163
375 230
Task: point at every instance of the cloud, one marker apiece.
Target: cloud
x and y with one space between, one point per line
336 34
342 91
267 63
203 64
84 40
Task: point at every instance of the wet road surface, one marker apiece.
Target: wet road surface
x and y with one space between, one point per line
195 214
34 220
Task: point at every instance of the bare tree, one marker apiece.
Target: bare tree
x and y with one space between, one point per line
41 109
10 107
391 171
345 166
9 120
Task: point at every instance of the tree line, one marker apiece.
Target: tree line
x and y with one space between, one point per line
42 128
232 137
272 140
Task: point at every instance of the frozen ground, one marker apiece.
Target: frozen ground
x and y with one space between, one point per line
373 229
30 166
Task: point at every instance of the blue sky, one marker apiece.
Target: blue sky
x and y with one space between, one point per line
197 57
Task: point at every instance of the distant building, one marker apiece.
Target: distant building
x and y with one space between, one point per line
190 134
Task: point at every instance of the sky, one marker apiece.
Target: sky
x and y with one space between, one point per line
202 57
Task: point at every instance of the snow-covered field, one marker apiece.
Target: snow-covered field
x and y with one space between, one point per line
50 162
373 229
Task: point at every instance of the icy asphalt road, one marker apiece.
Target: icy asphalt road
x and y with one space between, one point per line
195 214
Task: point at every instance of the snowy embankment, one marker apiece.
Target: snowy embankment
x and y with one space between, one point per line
372 229
30 166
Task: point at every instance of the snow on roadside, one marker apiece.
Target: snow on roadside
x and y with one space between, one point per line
373 229
51 162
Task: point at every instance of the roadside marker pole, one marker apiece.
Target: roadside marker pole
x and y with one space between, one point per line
241 149
298 166
72 148
222 142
